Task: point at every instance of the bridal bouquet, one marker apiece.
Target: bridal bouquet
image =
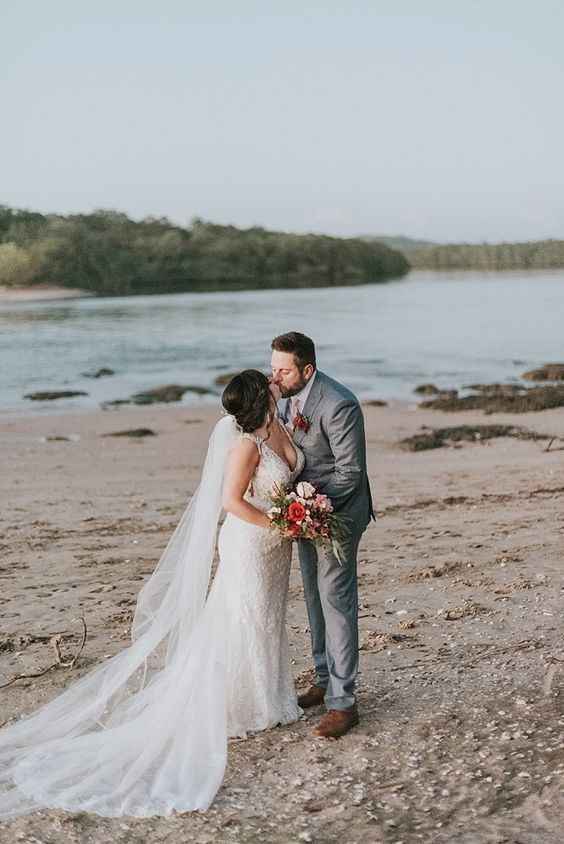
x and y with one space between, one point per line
303 513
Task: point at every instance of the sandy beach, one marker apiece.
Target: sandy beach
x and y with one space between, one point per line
40 293
461 691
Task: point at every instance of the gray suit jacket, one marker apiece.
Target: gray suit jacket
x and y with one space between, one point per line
335 449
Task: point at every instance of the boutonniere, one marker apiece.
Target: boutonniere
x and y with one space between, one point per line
301 423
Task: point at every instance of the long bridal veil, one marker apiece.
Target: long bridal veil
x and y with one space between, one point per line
145 732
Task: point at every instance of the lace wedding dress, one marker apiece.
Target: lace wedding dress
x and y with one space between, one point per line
253 579
146 732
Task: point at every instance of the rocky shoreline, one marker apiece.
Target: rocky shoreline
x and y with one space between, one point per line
512 397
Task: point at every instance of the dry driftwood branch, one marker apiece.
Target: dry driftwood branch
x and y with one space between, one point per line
554 666
60 663
56 645
549 679
549 446
486 652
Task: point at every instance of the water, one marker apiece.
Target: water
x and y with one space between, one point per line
382 340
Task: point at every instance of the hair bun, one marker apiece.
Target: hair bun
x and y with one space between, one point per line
247 398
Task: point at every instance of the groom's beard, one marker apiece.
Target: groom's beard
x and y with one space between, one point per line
288 392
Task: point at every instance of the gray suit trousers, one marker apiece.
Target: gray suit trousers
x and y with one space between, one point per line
331 594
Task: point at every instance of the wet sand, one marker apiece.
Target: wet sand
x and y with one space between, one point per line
461 691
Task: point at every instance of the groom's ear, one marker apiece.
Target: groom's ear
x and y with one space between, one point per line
308 371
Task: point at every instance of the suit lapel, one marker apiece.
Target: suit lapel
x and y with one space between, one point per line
313 399
284 410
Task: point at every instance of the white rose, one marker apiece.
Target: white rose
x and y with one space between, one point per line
305 490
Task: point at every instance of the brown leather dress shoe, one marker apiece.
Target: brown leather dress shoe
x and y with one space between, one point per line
314 696
337 722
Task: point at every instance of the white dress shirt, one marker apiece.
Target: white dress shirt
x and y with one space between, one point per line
297 402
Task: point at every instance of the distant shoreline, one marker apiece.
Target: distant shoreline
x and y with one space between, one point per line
47 293
38 293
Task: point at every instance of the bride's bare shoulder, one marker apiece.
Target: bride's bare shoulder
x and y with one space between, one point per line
241 465
245 450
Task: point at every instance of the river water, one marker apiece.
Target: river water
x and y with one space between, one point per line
380 339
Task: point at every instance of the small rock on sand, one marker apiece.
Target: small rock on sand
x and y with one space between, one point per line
51 395
160 395
132 432
548 372
167 393
99 373
427 390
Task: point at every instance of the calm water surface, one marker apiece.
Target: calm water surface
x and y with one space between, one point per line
382 339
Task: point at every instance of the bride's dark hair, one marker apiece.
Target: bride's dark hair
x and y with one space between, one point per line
247 398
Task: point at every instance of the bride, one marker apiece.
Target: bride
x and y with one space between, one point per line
145 733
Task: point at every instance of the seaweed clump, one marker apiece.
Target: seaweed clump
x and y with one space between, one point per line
440 437
500 398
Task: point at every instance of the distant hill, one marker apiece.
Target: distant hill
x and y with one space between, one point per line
109 254
534 255
424 254
399 242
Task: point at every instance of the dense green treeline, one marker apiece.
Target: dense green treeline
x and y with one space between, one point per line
536 255
108 253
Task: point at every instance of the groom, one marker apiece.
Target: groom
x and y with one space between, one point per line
327 423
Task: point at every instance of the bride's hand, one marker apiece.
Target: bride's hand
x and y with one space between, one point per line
275 390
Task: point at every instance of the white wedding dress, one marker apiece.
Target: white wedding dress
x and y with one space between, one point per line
146 732
252 580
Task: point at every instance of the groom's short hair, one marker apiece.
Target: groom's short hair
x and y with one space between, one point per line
302 347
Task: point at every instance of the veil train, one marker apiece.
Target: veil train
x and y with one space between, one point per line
144 733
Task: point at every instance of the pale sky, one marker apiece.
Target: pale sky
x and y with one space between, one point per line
440 119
